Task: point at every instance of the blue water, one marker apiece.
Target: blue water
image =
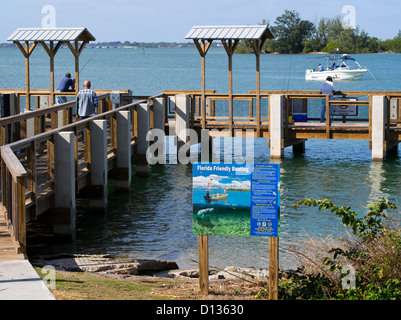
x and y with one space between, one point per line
234 198
154 220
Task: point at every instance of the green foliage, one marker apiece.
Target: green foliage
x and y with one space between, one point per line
376 258
368 227
290 31
390 290
295 35
306 287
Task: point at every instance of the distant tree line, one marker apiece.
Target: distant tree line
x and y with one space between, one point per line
292 34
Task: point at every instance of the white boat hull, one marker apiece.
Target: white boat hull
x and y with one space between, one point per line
335 74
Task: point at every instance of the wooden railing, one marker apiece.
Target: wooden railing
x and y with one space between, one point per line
248 116
28 165
13 179
28 158
30 123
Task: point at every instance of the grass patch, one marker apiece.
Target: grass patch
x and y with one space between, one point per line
93 286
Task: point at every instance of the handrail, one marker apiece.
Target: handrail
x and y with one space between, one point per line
11 161
13 197
15 127
24 178
23 181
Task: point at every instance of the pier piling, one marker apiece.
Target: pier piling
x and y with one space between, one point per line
379 104
182 119
142 148
65 204
123 170
276 107
98 164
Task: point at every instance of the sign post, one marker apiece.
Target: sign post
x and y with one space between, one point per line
238 200
203 264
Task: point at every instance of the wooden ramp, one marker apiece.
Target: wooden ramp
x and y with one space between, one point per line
7 247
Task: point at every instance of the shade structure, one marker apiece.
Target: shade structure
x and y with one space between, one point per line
203 36
51 34
251 32
51 40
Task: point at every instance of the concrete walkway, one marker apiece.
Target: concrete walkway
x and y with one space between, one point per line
19 281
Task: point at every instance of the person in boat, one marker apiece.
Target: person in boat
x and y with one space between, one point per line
326 87
320 68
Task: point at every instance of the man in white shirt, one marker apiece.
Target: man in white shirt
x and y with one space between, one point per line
326 87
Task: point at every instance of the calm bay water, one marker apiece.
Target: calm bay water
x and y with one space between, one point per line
154 220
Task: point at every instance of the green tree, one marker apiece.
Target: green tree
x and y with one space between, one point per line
290 31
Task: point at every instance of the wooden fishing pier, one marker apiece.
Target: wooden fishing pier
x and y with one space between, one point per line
46 163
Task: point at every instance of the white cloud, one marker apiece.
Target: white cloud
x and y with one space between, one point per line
201 182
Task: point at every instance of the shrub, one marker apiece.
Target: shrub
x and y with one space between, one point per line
372 252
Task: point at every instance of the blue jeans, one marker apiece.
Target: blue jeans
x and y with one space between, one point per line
60 99
323 111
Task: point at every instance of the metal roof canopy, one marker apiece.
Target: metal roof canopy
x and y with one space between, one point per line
75 38
203 36
229 32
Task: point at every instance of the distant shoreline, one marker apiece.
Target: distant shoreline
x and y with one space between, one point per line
160 45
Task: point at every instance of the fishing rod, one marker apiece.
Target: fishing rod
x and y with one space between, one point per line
89 60
372 75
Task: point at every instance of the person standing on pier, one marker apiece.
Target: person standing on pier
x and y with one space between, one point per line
64 85
87 101
326 87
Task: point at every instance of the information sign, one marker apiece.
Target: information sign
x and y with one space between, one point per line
236 199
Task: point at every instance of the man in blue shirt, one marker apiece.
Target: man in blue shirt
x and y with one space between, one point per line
326 87
64 85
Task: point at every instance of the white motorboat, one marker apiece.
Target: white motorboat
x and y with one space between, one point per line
339 68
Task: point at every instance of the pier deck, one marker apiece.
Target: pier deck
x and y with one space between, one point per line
45 164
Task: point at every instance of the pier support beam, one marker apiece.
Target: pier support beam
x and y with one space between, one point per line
142 147
98 150
206 146
159 114
276 126
156 135
123 171
379 106
64 214
182 119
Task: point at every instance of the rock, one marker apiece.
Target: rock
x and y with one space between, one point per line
233 273
179 273
103 263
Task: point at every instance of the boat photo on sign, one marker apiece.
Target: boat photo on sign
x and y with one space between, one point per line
238 200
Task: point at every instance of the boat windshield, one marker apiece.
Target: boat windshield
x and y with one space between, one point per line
344 62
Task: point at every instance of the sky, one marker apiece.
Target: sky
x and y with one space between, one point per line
220 182
170 20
